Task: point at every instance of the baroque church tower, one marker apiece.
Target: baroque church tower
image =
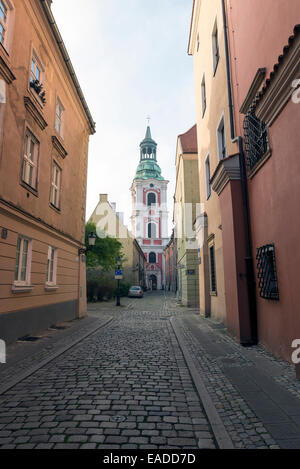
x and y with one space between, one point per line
150 213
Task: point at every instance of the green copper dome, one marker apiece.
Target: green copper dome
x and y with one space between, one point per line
148 167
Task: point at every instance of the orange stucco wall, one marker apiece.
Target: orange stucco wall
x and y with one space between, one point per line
27 212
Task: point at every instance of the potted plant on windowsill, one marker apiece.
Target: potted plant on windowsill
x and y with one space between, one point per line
38 88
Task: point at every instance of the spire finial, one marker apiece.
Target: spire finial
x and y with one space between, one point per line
148 119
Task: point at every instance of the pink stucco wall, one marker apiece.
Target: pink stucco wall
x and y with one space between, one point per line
258 32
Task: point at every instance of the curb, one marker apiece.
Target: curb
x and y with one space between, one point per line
220 433
10 384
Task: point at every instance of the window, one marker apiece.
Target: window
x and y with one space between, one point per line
30 160
221 140
267 276
35 70
215 47
55 186
23 259
212 269
198 42
59 117
256 139
151 199
207 173
152 258
203 94
151 230
3 21
51 266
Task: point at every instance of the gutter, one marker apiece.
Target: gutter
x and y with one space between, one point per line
63 50
245 197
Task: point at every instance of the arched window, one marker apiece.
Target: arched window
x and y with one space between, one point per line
151 199
151 230
152 258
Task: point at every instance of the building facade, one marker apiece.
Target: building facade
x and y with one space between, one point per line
207 46
254 63
108 220
187 201
45 126
171 264
150 213
265 81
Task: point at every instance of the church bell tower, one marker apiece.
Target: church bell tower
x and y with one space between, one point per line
149 212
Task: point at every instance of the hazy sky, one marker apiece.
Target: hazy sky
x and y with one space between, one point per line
131 60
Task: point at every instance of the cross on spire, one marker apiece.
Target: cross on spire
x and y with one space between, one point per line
148 119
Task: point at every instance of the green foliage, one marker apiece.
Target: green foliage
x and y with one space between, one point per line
104 253
124 288
101 285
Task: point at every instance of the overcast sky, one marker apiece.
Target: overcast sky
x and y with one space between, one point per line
131 60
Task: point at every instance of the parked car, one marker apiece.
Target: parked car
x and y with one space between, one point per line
136 292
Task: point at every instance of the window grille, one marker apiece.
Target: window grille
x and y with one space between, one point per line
256 139
267 276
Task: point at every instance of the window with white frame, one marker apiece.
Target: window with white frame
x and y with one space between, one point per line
30 160
221 139
35 70
215 47
152 230
23 261
55 185
59 117
3 21
207 173
203 95
51 266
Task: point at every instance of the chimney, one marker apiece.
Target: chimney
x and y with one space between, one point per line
103 198
113 206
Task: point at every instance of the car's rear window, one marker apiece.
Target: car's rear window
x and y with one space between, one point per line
135 288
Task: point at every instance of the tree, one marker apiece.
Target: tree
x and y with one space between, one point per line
105 252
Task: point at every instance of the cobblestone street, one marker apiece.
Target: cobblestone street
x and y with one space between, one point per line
150 374
125 386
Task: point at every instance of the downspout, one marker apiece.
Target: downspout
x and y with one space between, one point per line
245 197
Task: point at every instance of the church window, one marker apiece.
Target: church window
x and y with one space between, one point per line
151 230
152 258
151 199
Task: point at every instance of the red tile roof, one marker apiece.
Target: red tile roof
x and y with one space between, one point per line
189 140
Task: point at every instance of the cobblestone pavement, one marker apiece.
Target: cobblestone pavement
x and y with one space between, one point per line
256 395
125 386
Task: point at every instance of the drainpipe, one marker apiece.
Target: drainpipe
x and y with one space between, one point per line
245 197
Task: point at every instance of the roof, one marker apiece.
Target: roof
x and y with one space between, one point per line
189 140
278 65
49 15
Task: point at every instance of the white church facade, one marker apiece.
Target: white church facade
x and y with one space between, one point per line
149 212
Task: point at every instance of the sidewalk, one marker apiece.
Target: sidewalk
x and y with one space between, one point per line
256 395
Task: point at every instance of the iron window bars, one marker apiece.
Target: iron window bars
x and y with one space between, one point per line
267 276
256 139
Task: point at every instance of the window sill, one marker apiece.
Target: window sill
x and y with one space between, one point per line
49 287
29 188
22 288
260 163
36 98
213 293
57 210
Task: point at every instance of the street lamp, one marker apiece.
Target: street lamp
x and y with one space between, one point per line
92 240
